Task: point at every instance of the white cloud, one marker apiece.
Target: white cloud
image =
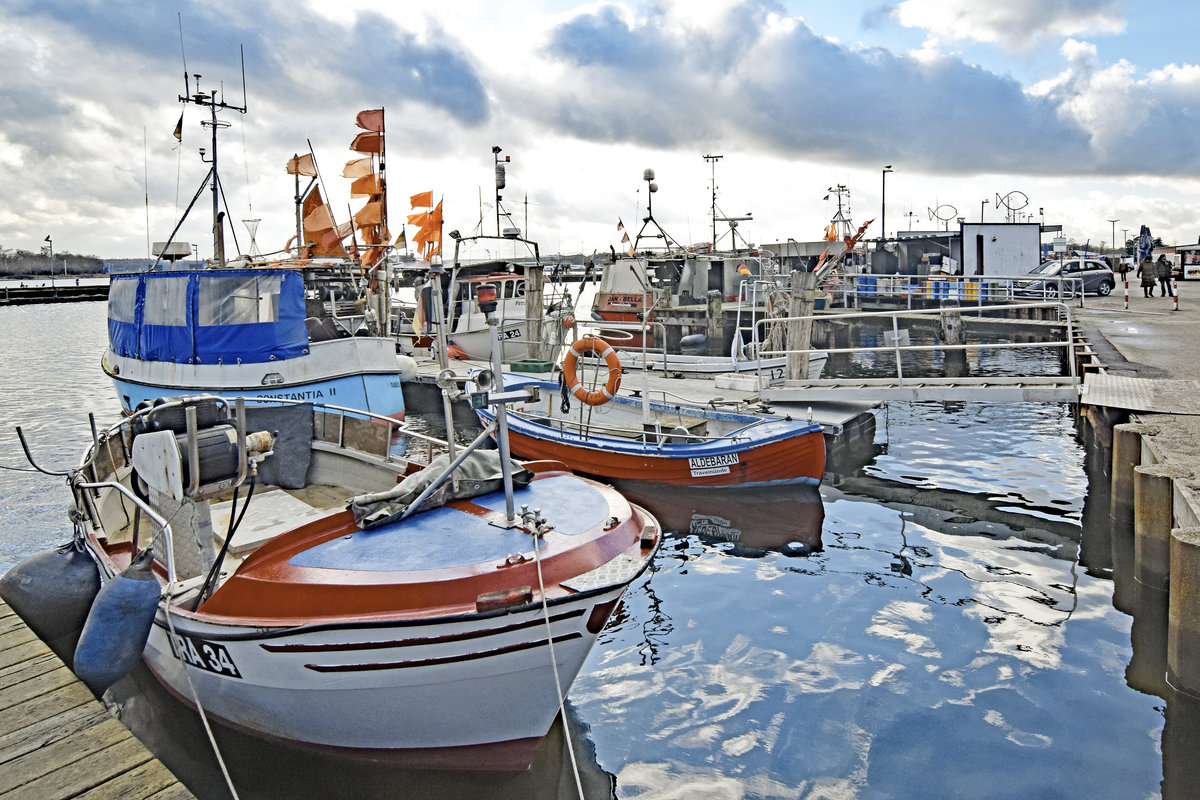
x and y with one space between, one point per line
1014 25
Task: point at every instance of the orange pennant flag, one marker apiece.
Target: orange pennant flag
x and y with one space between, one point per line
368 142
370 214
366 186
370 120
302 165
319 219
422 200
358 168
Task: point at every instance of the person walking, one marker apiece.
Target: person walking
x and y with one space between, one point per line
1162 268
1149 274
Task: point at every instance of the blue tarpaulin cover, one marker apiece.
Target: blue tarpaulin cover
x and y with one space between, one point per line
208 316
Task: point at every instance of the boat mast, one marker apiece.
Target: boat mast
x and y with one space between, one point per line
209 100
712 160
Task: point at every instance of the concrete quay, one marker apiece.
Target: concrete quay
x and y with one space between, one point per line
1156 451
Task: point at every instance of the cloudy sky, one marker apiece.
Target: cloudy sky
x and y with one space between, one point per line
1076 112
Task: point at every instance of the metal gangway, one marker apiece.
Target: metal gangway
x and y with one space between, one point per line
909 387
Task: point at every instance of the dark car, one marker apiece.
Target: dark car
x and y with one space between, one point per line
1045 281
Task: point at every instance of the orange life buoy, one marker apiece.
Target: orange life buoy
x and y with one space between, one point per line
601 349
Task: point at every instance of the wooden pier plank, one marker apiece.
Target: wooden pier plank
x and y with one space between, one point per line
57 740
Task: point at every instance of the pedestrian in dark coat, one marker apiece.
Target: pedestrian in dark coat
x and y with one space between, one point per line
1149 274
1162 268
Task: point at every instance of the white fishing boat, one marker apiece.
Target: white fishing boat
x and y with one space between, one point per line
534 315
277 567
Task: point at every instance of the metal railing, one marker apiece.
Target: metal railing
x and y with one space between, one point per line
899 349
976 290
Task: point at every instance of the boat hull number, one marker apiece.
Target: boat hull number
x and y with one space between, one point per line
204 654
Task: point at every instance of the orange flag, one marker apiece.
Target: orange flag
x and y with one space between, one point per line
358 168
422 200
370 214
302 165
366 186
368 142
371 120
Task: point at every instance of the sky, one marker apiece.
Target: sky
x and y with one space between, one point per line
1080 113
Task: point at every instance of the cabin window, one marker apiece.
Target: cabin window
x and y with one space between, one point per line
122 300
239 300
166 301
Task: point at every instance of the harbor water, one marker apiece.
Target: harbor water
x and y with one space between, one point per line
949 620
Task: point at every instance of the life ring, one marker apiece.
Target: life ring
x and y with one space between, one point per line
601 349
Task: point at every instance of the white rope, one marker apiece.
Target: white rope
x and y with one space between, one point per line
196 697
562 709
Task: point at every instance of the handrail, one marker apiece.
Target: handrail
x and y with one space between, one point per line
584 429
164 526
989 287
399 426
898 349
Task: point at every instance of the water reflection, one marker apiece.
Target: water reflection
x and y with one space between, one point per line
786 519
260 769
965 624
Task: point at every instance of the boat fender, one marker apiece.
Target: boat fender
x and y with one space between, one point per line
692 340
601 349
53 591
118 625
407 367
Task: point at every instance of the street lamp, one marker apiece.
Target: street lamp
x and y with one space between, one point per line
883 205
1114 232
50 252
1124 239
981 205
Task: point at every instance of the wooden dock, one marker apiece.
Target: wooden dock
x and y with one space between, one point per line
64 290
56 739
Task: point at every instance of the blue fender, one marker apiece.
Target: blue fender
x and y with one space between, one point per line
118 625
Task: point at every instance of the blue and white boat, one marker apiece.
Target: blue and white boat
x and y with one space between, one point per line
313 327
243 332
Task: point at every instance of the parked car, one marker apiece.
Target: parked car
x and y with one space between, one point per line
1045 280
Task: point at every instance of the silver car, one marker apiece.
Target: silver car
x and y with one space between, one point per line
1064 275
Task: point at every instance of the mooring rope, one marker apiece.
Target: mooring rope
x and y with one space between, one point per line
562 709
196 698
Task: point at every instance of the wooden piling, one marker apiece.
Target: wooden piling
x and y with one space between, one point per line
799 331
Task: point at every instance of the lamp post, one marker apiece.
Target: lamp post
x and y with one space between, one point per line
50 252
981 205
1124 239
1114 232
883 205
